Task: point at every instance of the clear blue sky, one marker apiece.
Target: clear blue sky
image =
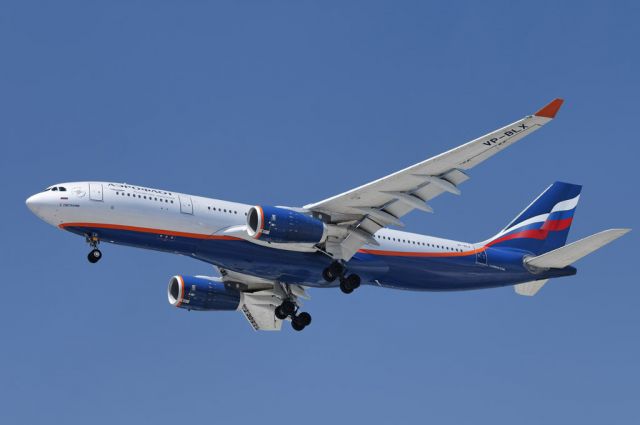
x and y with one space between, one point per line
288 103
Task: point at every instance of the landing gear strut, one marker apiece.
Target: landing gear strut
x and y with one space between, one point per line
95 255
336 270
288 309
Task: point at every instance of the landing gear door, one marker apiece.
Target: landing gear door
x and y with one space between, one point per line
186 206
95 191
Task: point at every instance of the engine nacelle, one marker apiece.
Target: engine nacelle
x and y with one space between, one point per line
202 293
281 225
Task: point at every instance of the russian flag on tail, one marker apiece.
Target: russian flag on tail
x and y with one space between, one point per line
544 224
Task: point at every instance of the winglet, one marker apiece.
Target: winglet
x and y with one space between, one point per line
551 109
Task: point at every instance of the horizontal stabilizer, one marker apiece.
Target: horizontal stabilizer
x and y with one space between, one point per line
568 254
529 289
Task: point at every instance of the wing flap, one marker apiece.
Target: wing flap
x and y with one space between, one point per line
261 317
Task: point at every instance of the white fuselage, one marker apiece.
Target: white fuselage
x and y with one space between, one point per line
136 207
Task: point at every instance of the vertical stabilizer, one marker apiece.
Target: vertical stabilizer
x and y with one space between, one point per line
544 225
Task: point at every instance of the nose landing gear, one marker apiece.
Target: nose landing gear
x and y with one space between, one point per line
336 270
95 255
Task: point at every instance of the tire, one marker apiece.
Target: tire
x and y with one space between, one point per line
94 256
304 318
328 276
297 326
353 280
332 271
287 308
280 314
344 287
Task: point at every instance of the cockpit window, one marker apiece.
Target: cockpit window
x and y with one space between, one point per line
55 189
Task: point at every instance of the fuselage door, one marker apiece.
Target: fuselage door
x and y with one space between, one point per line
186 206
95 191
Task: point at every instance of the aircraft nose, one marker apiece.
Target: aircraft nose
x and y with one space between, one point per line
35 202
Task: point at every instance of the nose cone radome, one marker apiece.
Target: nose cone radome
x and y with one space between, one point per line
41 205
35 203
44 206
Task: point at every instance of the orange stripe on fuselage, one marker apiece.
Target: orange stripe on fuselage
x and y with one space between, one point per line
149 230
232 238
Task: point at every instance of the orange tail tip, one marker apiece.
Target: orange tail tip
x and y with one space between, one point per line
551 109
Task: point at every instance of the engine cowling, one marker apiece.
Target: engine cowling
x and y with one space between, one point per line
202 293
282 225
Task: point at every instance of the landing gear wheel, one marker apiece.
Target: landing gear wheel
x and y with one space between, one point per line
354 281
287 308
333 271
344 287
328 276
297 326
304 318
349 283
301 321
94 256
280 314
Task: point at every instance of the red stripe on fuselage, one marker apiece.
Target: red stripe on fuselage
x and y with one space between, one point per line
548 226
557 224
551 225
528 234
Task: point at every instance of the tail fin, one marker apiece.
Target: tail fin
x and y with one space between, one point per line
544 224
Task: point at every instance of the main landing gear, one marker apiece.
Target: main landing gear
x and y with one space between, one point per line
95 255
288 309
336 270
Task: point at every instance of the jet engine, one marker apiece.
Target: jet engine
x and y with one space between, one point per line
202 293
282 225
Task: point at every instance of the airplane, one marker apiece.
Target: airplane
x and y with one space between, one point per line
267 256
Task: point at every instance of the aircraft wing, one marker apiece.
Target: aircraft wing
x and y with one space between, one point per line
366 209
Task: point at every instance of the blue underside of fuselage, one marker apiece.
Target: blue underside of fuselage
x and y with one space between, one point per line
504 266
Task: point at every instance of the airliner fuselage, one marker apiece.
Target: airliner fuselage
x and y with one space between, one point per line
267 255
195 226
